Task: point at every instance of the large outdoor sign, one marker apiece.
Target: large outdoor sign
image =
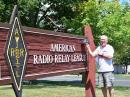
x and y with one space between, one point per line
49 53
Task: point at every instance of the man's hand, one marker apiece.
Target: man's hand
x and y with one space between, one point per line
100 53
88 46
85 41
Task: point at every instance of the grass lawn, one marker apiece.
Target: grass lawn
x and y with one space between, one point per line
118 92
122 76
58 89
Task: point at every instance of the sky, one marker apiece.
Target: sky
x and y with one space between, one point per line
124 1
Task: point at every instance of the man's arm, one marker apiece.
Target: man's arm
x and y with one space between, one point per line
101 54
90 51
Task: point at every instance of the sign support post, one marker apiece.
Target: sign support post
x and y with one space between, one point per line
90 82
0 72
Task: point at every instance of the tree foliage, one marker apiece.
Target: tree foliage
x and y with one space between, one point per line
45 14
112 19
109 18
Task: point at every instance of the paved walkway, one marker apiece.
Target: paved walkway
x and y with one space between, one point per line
75 78
122 82
78 78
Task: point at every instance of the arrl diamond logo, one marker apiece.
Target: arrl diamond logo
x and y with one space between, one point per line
16 54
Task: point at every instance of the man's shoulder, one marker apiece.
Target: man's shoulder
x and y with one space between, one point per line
109 46
98 47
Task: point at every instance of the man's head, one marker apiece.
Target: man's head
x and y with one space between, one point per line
103 40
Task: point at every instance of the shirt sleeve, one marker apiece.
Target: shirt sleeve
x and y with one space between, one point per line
96 51
110 51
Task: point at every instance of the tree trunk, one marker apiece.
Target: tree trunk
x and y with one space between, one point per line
126 67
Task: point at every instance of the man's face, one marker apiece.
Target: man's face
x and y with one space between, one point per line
103 42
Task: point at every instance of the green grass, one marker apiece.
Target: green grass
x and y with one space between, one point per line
122 75
58 89
126 76
118 92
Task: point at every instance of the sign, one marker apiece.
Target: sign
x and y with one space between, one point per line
16 54
49 54
45 43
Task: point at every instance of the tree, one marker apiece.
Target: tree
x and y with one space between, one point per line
108 18
116 24
45 14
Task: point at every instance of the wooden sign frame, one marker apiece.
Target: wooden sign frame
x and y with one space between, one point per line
65 46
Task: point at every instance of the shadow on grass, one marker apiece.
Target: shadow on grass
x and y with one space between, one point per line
35 84
119 88
5 87
52 84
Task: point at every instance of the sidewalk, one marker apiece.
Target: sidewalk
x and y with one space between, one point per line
78 78
75 78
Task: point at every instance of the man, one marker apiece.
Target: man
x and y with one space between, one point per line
104 54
